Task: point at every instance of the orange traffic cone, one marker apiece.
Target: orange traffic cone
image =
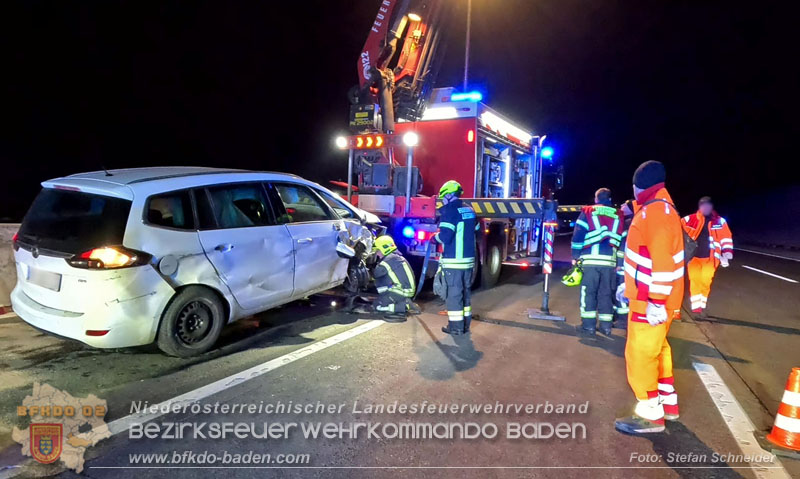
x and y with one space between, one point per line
786 430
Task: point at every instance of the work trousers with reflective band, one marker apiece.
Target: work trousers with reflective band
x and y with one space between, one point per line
701 274
391 302
458 290
597 295
648 356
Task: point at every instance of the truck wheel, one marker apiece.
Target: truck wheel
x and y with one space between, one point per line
490 268
191 323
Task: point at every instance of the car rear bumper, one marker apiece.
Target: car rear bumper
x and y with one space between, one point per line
131 322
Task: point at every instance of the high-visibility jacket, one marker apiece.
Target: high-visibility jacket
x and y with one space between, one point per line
654 254
597 235
394 275
719 234
457 225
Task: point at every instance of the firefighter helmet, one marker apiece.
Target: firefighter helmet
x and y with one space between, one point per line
384 244
574 276
451 187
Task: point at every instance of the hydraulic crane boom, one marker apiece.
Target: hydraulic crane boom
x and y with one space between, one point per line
398 65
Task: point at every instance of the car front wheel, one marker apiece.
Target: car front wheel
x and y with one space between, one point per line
191 323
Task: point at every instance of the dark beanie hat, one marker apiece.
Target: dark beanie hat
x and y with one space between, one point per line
648 174
705 199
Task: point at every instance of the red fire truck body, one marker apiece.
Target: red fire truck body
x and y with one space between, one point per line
497 163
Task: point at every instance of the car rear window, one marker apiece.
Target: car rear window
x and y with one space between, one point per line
72 222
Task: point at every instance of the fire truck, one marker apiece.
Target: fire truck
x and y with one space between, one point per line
408 138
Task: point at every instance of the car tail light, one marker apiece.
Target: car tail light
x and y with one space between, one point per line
97 332
109 257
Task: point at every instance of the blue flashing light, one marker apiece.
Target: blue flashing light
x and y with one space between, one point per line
408 231
468 96
547 152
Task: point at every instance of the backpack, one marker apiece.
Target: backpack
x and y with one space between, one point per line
689 243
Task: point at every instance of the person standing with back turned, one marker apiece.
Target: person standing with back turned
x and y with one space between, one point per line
597 235
457 224
654 270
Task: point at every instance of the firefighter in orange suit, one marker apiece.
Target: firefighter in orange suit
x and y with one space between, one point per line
714 247
654 290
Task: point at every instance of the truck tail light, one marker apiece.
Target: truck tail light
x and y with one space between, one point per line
423 235
471 136
109 257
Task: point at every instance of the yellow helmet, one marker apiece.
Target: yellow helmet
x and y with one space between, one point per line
574 276
450 187
384 244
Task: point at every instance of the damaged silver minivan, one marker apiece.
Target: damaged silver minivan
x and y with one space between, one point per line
128 257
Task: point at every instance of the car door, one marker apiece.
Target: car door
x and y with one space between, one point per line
251 252
315 230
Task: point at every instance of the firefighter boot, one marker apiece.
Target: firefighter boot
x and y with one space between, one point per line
647 418
587 328
467 320
454 328
605 327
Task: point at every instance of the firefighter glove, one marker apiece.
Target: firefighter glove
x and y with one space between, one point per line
724 262
656 314
728 256
621 299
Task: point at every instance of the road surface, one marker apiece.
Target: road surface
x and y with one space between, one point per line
730 373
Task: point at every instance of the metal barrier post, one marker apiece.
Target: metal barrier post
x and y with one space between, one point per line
547 268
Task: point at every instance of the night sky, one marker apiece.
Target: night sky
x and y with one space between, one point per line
708 87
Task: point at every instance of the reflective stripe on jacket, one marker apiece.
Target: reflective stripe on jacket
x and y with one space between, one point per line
654 254
457 225
597 235
719 234
394 274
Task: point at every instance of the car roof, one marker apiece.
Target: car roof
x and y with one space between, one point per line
129 182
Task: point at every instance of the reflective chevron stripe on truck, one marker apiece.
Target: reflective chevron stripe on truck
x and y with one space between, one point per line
505 208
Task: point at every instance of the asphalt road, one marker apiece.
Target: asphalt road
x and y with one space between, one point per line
315 353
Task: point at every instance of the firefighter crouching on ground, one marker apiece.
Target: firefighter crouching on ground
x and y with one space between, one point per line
394 281
457 224
621 307
597 235
714 247
654 260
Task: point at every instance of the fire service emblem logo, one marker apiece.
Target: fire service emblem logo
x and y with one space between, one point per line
46 442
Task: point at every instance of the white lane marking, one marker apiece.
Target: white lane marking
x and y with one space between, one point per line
769 274
122 424
738 423
767 254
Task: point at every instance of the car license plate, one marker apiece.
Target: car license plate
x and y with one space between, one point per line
45 279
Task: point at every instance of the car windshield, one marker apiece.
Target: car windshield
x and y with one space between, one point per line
72 222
